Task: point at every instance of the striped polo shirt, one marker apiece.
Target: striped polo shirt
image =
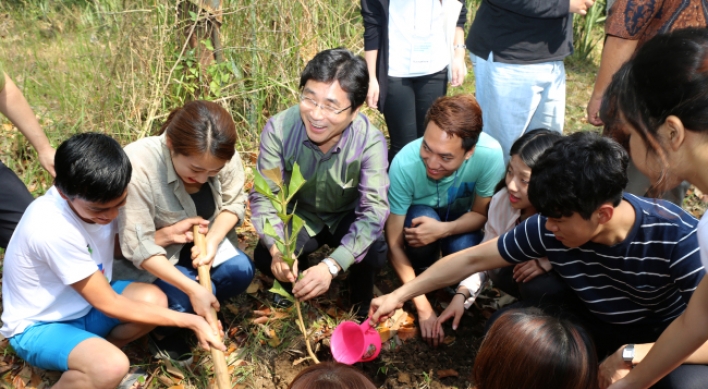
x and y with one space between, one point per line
646 279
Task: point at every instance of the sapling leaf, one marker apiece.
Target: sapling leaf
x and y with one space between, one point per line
298 223
278 289
284 217
262 186
276 204
274 175
296 180
269 230
281 247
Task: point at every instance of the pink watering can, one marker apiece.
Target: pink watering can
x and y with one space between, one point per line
352 342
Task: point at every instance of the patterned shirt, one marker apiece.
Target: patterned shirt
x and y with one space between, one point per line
646 279
643 19
350 177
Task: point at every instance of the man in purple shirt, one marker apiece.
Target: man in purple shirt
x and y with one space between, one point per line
343 159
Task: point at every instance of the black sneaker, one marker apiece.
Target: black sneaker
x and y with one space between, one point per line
279 301
173 347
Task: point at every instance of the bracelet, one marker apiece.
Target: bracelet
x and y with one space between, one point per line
460 46
462 294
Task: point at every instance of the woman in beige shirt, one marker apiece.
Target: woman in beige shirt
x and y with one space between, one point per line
189 175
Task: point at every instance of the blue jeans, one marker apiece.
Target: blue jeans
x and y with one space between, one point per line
423 257
229 279
516 98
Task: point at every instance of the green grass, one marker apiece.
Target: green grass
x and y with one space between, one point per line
118 67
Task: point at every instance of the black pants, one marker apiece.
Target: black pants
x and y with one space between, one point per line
361 275
546 289
608 338
407 102
14 199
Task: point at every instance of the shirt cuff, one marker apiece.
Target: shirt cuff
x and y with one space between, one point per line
237 209
146 249
475 285
343 257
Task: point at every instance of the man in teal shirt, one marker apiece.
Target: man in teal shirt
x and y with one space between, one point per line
441 186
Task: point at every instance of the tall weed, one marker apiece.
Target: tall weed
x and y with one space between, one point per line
588 30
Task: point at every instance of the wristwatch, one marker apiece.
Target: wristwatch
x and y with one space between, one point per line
628 353
331 266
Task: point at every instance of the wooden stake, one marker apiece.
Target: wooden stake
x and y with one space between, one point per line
221 371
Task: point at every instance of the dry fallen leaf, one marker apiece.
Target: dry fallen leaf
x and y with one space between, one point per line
449 340
165 380
262 312
273 340
404 378
255 286
18 383
233 309
405 334
447 373
386 334
175 372
300 360
260 320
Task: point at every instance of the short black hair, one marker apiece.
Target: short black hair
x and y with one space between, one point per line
343 66
578 173
93 167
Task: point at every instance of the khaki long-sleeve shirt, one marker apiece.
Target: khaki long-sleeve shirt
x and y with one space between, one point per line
157 198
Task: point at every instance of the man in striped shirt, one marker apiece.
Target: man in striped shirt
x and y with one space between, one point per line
632 262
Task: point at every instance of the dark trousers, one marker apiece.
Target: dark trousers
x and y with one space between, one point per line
548 288
407 102
608 338
423 257
361 275
14 199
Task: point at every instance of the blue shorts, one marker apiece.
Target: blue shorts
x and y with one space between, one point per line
47 345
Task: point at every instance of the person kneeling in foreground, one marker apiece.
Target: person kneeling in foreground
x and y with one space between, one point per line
632 262
331 375
60 309
532 350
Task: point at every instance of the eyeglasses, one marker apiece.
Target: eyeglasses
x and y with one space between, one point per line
327 109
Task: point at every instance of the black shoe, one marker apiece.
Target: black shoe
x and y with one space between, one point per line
362 312
173 347
279 301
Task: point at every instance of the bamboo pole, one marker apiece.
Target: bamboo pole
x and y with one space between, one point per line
221 371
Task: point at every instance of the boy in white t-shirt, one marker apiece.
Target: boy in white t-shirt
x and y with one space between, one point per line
60 309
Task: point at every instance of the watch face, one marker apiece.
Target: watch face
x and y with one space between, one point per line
628 354
331 266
